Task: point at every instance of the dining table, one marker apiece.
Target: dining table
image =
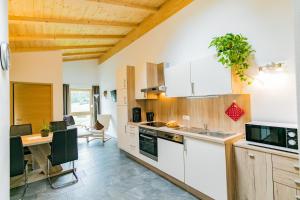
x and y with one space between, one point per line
40 148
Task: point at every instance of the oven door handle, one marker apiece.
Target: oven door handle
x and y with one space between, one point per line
143 136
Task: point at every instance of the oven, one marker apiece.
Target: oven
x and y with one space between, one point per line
273 135
148 143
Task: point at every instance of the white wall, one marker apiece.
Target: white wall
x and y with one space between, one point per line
297 34
81 74
41 67
268 24
107 82
4 111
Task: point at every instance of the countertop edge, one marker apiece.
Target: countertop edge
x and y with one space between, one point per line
242 144
191 135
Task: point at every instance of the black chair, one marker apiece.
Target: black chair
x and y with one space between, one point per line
58 126
18 165
21 130
64 149
69 119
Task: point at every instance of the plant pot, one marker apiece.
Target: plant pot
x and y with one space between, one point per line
45 133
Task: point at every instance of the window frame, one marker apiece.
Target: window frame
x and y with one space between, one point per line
90 106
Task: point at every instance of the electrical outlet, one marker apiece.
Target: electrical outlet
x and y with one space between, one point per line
186 117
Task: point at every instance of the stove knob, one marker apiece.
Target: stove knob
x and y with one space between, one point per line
291 134
292 142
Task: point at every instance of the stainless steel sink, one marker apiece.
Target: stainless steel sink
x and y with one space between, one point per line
190 130
202 131
217 134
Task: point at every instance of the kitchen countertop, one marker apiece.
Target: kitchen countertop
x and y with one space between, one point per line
243 144
219 137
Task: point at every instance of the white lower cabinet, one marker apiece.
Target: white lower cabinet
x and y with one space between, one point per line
170 158
122 119
205 168
132 142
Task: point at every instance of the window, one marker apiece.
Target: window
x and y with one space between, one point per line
81 103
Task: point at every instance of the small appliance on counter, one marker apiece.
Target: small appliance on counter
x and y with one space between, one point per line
150 116
278 136
136 114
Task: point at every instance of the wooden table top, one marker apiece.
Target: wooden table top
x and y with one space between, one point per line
36 139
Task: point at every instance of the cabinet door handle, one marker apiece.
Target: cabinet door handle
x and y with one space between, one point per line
296 166
124 83
193 88
125 129
184 145
297 197
251 155
297 181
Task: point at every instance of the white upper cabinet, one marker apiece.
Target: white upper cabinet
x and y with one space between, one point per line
140 81
202 77
121 78
209 77
178 80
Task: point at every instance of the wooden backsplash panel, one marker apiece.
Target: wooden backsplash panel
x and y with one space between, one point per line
210 111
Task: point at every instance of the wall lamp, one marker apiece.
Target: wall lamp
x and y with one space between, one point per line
274 66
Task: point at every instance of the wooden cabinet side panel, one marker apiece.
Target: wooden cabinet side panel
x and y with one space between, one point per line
152 79
262 166
243 174
253 175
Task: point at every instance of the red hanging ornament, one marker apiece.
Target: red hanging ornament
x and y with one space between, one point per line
235 112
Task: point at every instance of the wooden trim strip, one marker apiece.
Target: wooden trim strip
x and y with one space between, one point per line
22 19
167 9
127 4
84 53
47 48
67 59
62 36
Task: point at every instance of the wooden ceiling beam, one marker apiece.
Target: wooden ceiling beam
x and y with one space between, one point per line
127 4
84 53
66 59
22 19
169 8
48 48
62 36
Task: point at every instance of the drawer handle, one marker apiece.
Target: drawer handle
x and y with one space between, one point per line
297 197
251 155
297 181
296 166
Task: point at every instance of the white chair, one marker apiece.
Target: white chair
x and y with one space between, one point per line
92 133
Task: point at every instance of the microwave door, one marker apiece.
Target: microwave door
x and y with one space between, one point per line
267 135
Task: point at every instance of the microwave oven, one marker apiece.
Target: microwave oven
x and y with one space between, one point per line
278 136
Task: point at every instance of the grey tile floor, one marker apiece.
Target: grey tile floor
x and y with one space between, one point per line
105 173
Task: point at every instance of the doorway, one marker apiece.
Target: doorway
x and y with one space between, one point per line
31 104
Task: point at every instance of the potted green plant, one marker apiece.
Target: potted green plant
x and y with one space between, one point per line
45 130
233 51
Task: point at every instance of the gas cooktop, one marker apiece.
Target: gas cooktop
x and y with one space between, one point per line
155 124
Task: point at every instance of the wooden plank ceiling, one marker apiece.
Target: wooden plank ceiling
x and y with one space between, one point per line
82 29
